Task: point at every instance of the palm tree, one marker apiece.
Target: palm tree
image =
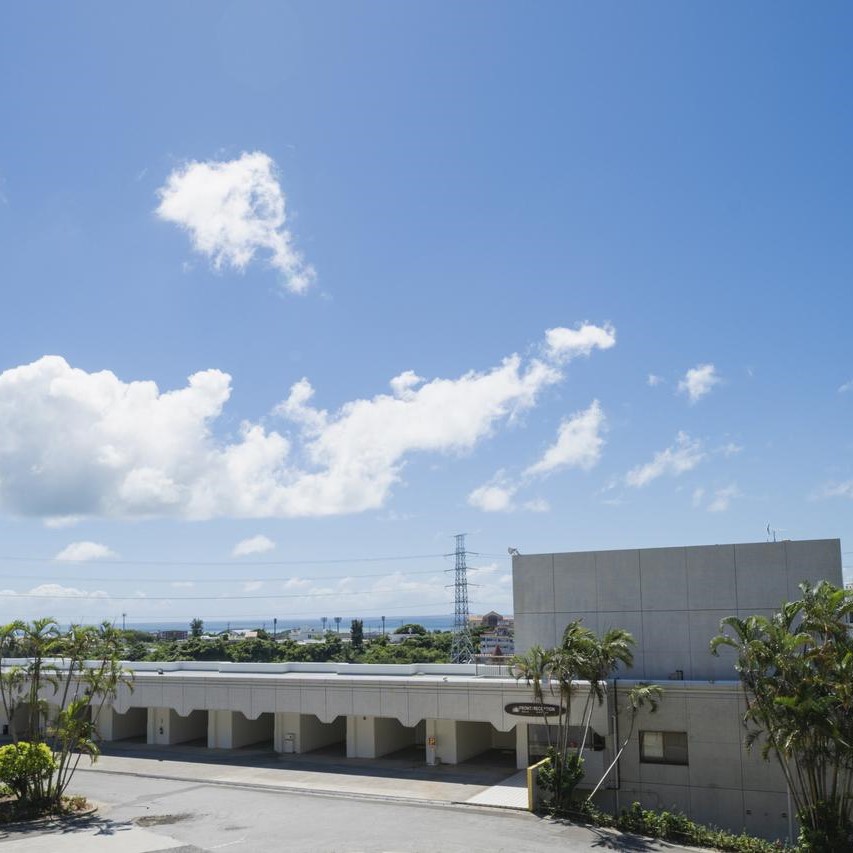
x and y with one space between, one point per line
795 668
638 697
581 656
603 659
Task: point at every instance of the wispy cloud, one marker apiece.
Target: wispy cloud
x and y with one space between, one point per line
723 497
255 545
699 381
834 490
847 386
578 445
682 456
81 552
653 380
232 210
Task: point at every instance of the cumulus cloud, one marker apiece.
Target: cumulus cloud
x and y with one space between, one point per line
493 497
78 444
232 210
698 381
723 497
80 552
578 444
682 456
254 545
564 344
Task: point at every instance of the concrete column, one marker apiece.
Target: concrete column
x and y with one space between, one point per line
456 740
166 727
522 756
372 737
300 733
114 726
443 749
231 729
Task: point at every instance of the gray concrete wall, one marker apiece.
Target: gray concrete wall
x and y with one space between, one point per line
723 783
670 599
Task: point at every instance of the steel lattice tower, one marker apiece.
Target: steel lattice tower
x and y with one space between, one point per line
462 648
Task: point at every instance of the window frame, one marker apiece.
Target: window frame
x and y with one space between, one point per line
676 755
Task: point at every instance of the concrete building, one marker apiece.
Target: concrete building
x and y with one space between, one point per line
447 713
690 754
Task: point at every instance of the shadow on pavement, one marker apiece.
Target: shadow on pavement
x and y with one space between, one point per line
62 826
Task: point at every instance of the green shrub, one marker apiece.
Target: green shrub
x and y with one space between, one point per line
25 768
673 826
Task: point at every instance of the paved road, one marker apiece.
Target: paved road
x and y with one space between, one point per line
144 814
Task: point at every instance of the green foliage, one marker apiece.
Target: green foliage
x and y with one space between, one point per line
26 768
80 670
559 776
674 826
196 628
796 668
357 635
411 628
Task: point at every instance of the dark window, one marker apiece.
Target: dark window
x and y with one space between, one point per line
663 747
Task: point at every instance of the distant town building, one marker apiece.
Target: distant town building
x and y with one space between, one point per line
172 635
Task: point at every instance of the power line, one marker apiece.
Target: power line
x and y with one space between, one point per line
282 578
94 596
230 563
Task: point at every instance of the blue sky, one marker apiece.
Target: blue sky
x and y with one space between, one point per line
602 250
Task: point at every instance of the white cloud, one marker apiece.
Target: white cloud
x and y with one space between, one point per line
731 449
233 209
653 380
836 490
684 455
493 497
578 444
537 505
79 552
78 444
564 344
252 586
847 386
723 497
255 545
698 496
698 381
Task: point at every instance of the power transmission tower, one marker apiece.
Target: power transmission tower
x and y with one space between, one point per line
462 647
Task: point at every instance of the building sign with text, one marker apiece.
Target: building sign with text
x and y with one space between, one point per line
532 709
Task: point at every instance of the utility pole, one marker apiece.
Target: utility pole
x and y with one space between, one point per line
123 616
275 627
383 625
338 623
462 646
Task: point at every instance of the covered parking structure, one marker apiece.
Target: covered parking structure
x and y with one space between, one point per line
451 713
